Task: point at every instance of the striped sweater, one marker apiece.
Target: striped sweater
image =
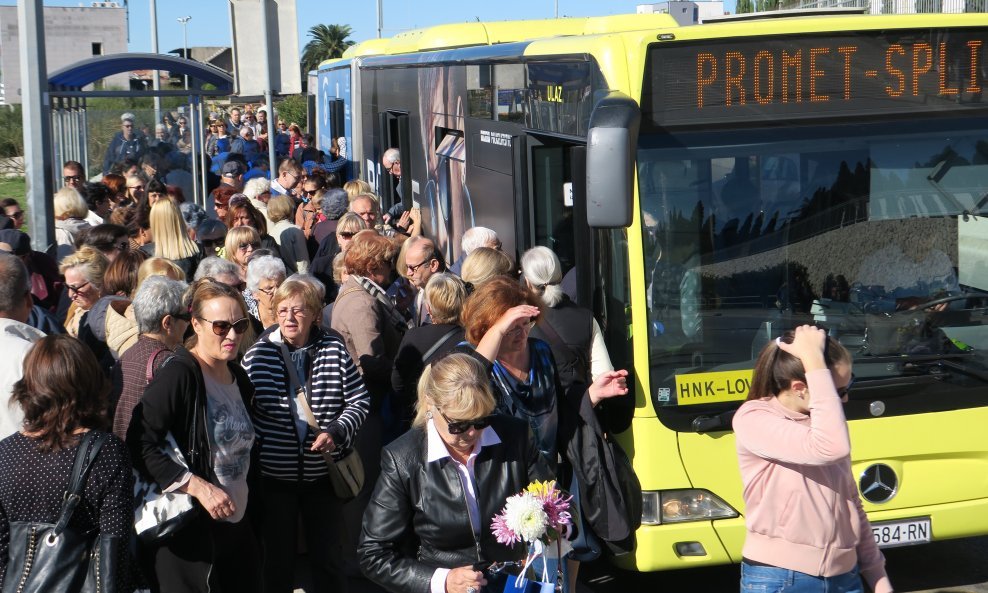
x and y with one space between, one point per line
338 399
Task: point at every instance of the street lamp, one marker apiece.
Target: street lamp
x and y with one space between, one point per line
185 43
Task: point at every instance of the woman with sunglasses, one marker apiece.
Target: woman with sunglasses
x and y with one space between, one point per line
241 242
498 318
294 480
241 212
431 492
203 398
806 529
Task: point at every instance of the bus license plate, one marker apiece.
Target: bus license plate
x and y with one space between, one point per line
901 533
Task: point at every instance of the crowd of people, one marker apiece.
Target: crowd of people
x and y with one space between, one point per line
238 351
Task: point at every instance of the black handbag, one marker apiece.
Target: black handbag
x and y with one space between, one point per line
45 557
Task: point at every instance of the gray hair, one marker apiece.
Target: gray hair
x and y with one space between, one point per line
128 116
256 187
266 267
315 282
214 267
391 155
16 282
541 268
478 236
193 214
157 297
334 203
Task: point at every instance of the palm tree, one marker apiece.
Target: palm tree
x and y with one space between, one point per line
328 41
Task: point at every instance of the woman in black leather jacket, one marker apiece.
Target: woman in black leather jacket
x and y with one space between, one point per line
420 494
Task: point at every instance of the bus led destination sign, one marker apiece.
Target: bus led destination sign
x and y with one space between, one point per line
804 77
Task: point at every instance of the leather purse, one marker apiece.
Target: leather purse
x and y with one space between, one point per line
345 474
159 515
45 557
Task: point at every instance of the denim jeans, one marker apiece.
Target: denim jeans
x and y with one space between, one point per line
769 579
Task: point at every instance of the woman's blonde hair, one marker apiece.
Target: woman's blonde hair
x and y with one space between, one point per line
445 294
350 223
236 236
159 266
456 384
356 187
485 263
68 203
338 268
280 208
91 262
171 236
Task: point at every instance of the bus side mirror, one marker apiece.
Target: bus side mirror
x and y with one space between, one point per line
611 161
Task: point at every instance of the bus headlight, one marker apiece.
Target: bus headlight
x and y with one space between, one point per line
677 506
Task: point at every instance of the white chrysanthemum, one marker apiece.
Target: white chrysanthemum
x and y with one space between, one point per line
523 514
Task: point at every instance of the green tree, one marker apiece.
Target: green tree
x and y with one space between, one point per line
292 109
328 42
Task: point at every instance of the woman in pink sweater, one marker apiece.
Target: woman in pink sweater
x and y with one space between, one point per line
806 530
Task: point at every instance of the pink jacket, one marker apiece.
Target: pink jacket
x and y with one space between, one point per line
803 512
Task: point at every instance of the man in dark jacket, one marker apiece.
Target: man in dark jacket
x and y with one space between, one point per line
128 143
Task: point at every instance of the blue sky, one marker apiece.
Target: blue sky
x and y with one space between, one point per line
210 26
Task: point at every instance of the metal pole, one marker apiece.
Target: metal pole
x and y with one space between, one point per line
156 75
202 160
37 128
191 114
268 94
380 18
185 43
85 134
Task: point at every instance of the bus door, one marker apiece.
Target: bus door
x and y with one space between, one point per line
556 214
395 133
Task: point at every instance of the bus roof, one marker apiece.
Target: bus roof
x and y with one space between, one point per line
490 33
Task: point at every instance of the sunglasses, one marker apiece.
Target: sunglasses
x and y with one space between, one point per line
843 391
76 289
18 214
345 235
253 245
71 178
222 328
461 426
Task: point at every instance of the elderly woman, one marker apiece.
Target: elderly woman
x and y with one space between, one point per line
161 323
63 397
498 318
485 263
444 298
264 275
290 238
333 206
241 242
294 478
203 398
572 332
83 272
420 495
70 212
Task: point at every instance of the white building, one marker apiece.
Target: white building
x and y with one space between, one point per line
685 12
71 34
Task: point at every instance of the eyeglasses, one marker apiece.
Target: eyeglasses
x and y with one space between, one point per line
71 178
412 269
345 235
253 245
843 391
128 125
526 327
293 312
268 291
76 289
222 328
310 192
461 426
18 214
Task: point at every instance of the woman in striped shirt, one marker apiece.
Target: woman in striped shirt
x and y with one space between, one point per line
294 477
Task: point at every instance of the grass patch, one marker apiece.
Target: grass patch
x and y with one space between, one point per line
15 187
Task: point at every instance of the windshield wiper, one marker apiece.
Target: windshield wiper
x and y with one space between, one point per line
953 360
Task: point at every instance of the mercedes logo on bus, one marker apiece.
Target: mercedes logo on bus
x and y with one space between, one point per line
878 483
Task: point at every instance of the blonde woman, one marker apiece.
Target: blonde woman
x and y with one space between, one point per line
159 266
83 272
485 263
356 187
70 213
171 237
290 238
240 243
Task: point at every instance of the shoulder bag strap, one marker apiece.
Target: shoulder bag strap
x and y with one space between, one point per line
301 393
555 341
149 371
84 458
435 347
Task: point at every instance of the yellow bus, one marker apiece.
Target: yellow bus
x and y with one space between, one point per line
707 188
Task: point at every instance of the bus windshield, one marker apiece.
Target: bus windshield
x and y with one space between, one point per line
877 232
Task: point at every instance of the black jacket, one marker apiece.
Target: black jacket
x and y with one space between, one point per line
409 362
417 519
175 395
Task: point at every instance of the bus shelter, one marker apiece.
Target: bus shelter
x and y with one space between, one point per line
82 131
